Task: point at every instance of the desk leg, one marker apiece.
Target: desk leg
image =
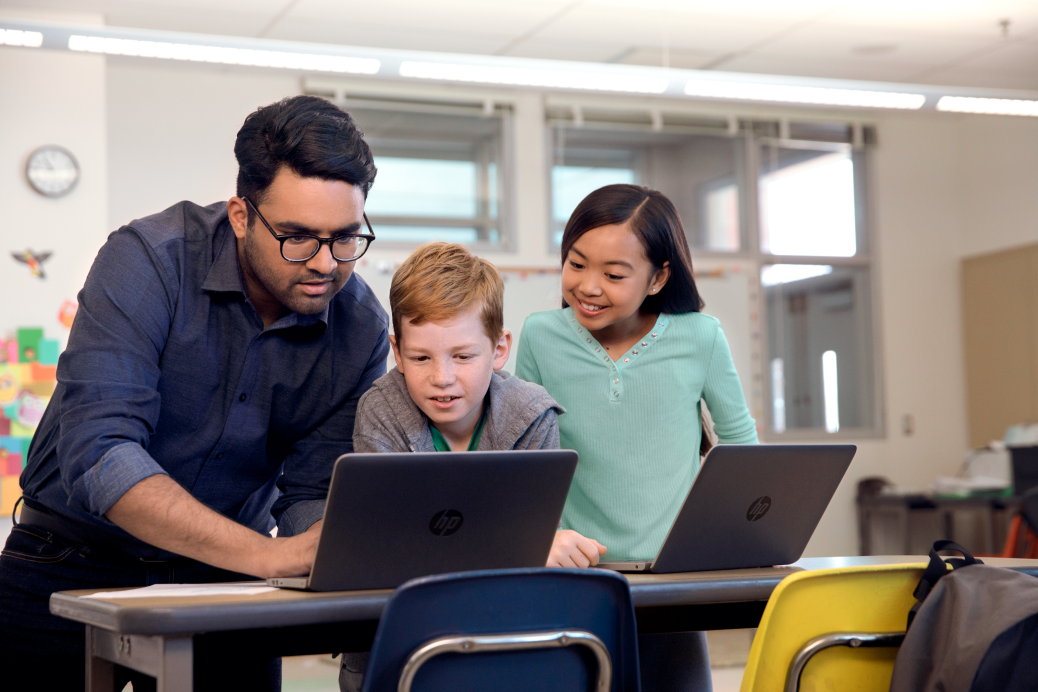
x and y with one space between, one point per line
170 660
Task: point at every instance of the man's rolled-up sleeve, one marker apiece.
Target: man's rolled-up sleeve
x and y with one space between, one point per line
308 467
109 404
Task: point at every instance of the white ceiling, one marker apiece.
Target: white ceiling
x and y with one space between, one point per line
944 42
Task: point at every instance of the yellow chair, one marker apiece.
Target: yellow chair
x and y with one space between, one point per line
833 630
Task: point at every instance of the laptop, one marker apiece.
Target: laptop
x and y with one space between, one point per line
750 506
393 517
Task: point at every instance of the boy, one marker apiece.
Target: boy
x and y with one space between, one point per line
448 391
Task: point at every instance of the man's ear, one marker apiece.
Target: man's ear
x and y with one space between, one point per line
502 349
238 214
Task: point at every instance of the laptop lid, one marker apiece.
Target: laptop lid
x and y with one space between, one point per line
394 517
753 506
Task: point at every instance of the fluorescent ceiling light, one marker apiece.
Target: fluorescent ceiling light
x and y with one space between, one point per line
26 39
533 77
219 54
969 104
822 96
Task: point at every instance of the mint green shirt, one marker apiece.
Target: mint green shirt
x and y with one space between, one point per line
635 423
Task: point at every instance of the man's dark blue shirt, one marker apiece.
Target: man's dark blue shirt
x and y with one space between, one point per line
169 370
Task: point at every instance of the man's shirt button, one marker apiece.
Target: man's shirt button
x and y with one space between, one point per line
241 398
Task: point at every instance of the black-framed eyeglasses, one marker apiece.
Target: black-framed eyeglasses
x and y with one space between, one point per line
300 248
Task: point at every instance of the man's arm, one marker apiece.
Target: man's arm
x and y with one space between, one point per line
110 408
158 511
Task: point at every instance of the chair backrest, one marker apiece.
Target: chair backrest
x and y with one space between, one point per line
1029 508
507 602
807 605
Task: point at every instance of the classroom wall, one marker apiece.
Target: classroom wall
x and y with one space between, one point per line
942 187
58 98
998 169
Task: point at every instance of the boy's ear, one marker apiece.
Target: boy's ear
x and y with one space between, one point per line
502 349
396 350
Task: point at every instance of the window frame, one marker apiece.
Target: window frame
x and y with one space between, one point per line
864 257
483 223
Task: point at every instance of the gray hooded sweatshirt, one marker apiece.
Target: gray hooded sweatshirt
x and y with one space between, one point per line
522 415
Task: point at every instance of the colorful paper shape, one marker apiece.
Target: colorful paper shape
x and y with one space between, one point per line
5 425
29 344
34 260
67 313
43 373
48 351
12 351
12 463
10 491
22 431
30 410
40 389
16 445
9 384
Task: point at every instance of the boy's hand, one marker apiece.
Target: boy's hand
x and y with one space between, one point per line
570 549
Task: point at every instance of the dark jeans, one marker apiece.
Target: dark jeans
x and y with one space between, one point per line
676 662
43 652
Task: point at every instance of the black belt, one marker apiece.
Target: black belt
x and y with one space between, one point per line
48 522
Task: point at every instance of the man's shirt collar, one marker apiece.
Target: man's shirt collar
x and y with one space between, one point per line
225 275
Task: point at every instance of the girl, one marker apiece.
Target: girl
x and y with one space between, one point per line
629 357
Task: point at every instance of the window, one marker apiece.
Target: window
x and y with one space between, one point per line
787 199
815 279
820 347
696 164
442 171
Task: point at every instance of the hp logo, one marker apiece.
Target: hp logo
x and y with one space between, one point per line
758 508
446 522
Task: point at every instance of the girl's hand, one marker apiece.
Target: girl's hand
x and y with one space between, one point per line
570 549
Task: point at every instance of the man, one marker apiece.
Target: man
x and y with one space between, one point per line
211 379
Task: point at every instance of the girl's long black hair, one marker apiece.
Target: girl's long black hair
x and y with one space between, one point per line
653 218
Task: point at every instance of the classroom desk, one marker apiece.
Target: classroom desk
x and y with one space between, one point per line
157 635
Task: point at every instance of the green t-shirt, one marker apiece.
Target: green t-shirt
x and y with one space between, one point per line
440 443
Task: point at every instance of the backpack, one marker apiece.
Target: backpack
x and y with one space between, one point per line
974 629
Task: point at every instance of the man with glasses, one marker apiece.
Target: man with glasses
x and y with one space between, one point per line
210 381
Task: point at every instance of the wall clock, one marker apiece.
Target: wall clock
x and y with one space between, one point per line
52 171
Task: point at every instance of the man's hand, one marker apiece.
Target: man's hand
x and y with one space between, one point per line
161 513
570 549
295 554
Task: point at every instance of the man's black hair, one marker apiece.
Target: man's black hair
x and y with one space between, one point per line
311 136
655 221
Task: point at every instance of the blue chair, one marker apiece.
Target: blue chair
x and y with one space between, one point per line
516 629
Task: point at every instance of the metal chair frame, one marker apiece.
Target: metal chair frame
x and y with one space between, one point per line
471 644
853 640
